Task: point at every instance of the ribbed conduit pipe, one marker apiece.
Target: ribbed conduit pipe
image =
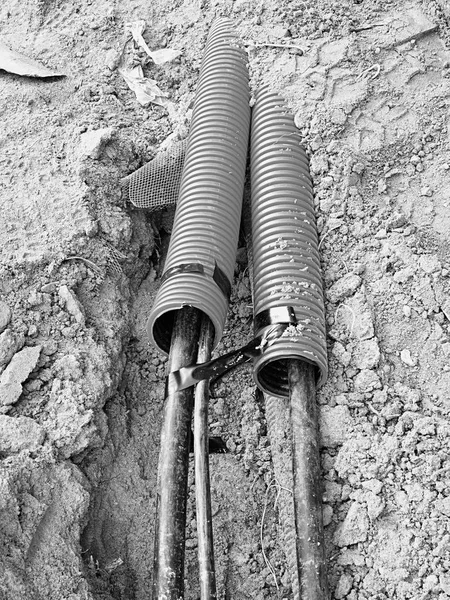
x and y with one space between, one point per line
208 212
286 264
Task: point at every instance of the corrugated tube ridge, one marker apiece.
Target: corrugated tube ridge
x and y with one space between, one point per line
208 213
286 264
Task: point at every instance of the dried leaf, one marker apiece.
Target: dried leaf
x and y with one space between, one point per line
19 64
137 28
146 90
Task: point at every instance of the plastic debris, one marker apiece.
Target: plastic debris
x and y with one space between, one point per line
159 57
146 90
19 64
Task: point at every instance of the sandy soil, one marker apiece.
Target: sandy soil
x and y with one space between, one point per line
81 389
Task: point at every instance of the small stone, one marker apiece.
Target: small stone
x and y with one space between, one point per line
93 142
243 290
381 234
375 505
318 163
403 275
327 514
446 348
338 116
5 316
393 410
429 263
407 311
113 59
50 347
332 492
344 287
316 143
358 168
382 187
405 356
35 298
71 304
327 181
355 527
10 393
19 433
443 506
374 485
366 354
344 586
333 147
9 344
21 365
32 330
379 397
351 557
67 332
49 288
366 381
32 386
396 220
335 423
341 354
430 583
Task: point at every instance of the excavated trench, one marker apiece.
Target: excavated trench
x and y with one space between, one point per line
117 542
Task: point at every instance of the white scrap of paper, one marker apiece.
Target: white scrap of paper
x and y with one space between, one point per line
146 90
137 28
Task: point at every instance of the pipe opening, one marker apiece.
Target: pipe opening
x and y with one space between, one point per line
272 375
163 327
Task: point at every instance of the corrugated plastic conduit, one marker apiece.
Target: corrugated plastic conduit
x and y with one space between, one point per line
202 251
286 264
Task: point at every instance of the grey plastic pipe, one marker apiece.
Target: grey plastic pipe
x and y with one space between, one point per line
202 251
286 265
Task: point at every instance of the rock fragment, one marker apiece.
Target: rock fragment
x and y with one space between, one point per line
344 287
366 381
5 316
327 514
71 304
366 354
21 365
443 506
406 358
93 142
19 433
355 527
9 344
344 586
18 370
341 354
375 505
335 423
9 393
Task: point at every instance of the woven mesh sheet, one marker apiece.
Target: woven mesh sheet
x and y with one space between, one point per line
156 184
